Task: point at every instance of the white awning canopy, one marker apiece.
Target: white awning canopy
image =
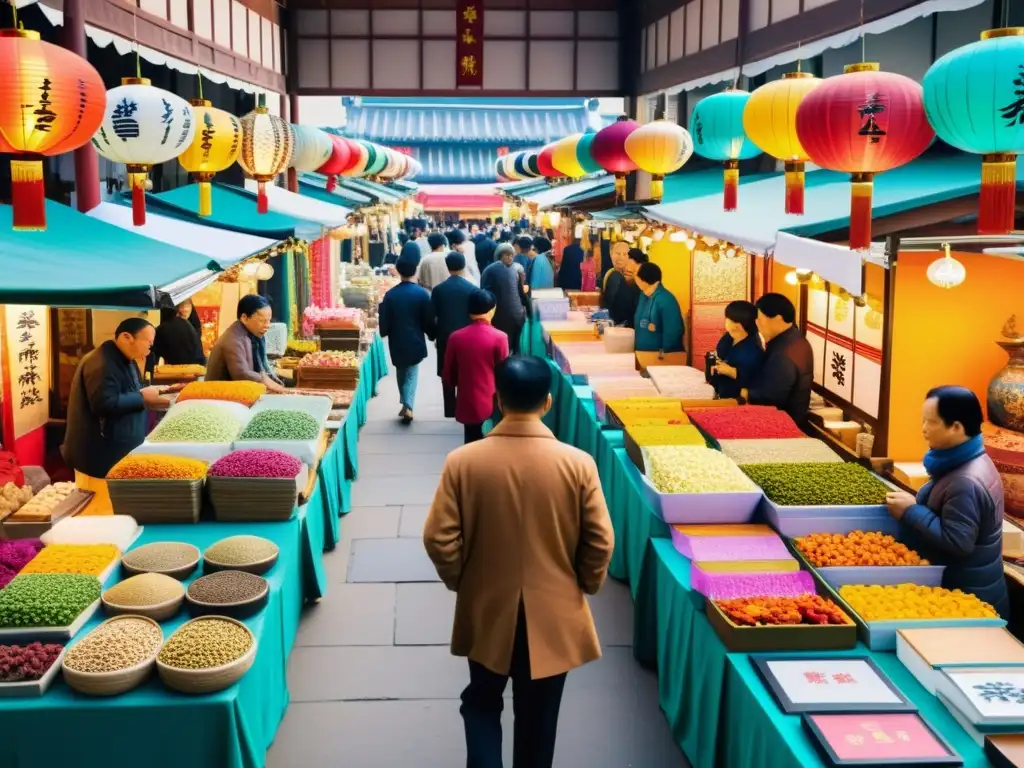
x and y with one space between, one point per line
835 263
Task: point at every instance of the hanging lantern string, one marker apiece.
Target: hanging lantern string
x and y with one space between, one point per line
199 74
799 56
14 12
863 39
135 42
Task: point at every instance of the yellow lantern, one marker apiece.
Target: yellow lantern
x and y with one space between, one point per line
660 148
564 158
769 120
213 149
267 144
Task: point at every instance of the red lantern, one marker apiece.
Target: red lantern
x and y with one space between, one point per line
544 162
608 150
863 122
340 160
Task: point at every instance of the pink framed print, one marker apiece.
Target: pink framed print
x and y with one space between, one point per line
865 739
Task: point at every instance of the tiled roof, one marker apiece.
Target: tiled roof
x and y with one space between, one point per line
453 163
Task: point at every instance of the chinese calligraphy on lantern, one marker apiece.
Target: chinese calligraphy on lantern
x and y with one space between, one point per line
27 381
1013 113
469 45
126 125
869 112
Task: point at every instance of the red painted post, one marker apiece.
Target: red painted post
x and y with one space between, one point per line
87 162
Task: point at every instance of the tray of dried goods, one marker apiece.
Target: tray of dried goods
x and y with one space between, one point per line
164 374
244 392
252 554
47 606
228 593
256 485
120 530
15 555
114 658
97 560
290 431
865 557
170 558
51 505
27 670
206 654
340 398
156 488
153 595
797 623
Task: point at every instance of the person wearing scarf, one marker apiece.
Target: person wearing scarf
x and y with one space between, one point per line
240 354
956 520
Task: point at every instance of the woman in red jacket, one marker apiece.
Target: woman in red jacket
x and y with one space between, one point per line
471 355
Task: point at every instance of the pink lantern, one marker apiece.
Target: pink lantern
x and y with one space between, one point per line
609 151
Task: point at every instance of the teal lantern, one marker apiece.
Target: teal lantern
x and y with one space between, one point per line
974 99
583 156
377 161
716 126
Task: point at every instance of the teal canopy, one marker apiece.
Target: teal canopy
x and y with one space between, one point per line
80 261
314 185
521 188
385 195
761 216
233 208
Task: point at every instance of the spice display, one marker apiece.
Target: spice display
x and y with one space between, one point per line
332 317
300 347
161 556
241 550
692 469
47 599
684 434
257 463
155 466
205 643
793 450
244 392
646 405
13 496
14 555
282 425
144 590
629 420
911 601
227 587
178 371
763 611
202 424
745 422
824 550
85 559
41 506
117 644
25 663
118 530
817 484
717 583
339 397
330 360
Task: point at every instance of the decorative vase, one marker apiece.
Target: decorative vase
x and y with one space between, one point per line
1006 390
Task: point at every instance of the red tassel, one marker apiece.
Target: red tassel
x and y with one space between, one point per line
138 183
861 187
262 203
998 188
795 188
28 195
731 193
332 182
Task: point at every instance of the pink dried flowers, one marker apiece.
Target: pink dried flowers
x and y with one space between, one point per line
257 463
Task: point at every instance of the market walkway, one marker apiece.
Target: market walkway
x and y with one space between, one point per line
372 682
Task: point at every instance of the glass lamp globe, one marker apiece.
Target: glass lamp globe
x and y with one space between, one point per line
946 272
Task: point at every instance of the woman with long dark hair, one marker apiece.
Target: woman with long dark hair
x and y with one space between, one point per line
739 351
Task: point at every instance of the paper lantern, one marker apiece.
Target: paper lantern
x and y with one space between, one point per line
267 145
312 148
583 156
509 169
608 149
361 153
533 164
984 119
143 126
415 168
520 164
545 162
52 103
499 169
863 122
717 129
378 159
342 158
213 149
264 271
395 166
563 156
769 120
946 272
660 148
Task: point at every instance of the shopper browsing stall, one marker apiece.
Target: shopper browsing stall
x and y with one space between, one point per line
659 322
240 354
739 352
503 280
615 278
540 274
627 295
956 519
570 271
177 340
785 377
406 317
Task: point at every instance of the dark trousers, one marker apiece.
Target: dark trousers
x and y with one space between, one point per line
514 334
473 432
534 702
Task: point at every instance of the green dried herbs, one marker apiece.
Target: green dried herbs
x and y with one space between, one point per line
799 485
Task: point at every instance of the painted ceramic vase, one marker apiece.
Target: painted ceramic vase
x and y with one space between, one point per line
1006 390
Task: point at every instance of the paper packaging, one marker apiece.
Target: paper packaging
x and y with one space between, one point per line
1005 750
846 431
910 474
1013 539
925 652
990 699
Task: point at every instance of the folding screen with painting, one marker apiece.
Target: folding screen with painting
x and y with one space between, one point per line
717 280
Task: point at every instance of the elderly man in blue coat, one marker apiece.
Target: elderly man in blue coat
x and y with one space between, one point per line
406 317
956 520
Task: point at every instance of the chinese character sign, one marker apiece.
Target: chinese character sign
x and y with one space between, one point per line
26 375
469 44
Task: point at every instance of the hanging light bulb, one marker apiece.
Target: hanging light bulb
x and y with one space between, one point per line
250 269
678 236
946 272
691 244
791 278
802 275
659 235
264 271
730 253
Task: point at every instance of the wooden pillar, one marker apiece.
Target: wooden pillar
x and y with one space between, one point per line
293 111
87 162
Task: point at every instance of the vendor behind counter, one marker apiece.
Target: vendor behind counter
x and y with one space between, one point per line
658 321
240 354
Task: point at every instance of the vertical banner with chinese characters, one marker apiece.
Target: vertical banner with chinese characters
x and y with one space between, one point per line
469 47
26 384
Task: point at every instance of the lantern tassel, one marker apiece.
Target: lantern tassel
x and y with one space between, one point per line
332 182
861 188
795 188
998 187
262 203
205 197
620 188
657 186
28 195
138 185
731 194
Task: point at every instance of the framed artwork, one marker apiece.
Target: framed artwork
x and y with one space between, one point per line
887 739
836 684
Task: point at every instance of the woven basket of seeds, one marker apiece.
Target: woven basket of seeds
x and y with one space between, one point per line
115 657
207 654
228 593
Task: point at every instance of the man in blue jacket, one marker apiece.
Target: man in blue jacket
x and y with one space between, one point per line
451 313
406 316
658 323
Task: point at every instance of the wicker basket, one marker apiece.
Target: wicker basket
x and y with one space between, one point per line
257 568
111 683
157 611
180 574
157 501
213 679
241 609
241 499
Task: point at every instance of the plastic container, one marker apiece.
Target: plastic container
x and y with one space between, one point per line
698 508
316 406
619 340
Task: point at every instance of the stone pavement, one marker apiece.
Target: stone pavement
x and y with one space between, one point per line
371 680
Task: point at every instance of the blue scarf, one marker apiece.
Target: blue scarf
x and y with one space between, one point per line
259 353
939 462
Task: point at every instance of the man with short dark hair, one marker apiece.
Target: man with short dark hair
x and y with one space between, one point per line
450 301
405 318
240 353
432 270
107 404
524 245
540 274
627 295
659 323
519 529
788 370
485 243
459 242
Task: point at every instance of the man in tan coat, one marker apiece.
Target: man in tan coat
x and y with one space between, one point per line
520 530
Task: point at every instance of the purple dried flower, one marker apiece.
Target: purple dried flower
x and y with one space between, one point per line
15 554
256 463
